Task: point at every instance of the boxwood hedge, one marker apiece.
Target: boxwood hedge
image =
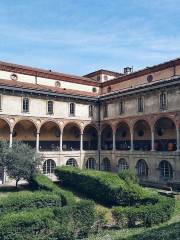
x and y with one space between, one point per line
144 215
106 188
65 223
23 200
42 182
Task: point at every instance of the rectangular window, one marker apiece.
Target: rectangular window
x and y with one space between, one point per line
121 107
140 104
105 110
72 109
163 101
50 107
91 110
25 104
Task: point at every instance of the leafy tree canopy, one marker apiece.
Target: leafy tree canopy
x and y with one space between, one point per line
20 161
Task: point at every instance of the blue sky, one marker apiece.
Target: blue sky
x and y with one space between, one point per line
80 36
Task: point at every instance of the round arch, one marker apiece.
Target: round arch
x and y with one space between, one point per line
142 135
25 130
165 134
122 164
49 166
165 170
90 163
71 137
4 130
90 138
72 162
107 137
142 168
49 136
123 137
106 165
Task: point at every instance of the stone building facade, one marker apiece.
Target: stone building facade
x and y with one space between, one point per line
103 120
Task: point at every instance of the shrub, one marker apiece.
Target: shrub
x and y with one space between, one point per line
144 215
42 182
106 188
24 225
78 218
128 176
23 200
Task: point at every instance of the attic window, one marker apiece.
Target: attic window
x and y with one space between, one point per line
109 89
98 78
150 78
14 76
94 89
105 77
57 84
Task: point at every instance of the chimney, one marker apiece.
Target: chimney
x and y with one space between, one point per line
128 70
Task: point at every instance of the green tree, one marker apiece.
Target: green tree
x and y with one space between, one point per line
20 161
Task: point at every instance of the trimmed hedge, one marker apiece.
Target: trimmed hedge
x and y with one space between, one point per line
25 225
42 182
144 215
106 188
66 223
78 218
23 200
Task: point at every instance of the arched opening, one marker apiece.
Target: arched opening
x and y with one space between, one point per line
4 130
49 139
25 131
71 137
49 166
90 138
142 168
165 135
91 163
142 136
123 137
106 165
72 162
165 170
107 138
122 164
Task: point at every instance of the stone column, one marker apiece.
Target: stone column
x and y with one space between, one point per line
114 140
10 139
37 141
60 143
81 142
178 138
152 139
132 140
81 149
99 141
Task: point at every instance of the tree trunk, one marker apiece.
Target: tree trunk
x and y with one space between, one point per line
17 180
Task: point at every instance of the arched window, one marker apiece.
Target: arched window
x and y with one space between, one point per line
50 107
122 164
106 165
163 101
165 169
71 162
91 163
49 166
72 109
91 110
142 168
25 104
